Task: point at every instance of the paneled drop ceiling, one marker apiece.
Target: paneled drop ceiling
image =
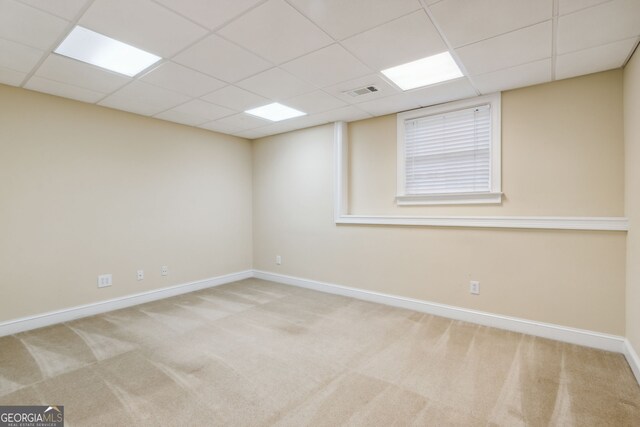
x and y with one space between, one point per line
222 57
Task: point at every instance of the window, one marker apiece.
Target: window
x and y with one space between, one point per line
450 153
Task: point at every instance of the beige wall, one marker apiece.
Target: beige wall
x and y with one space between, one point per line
86 190
571 278
632 147
562 152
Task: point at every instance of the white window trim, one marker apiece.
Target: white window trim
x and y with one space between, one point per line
494 196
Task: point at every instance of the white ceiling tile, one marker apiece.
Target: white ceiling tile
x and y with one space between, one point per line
70 71
431 95
342 19
515 77
390 104
275 128
243 121
598 25
181 79
252 134
285 125
204 109
306 122
210 14
508 50
384 89
327 66
444 92
236 98
30 26
18 57
570 6
276 31
11 77
503 44
468 21
219 127
222 59
180 117
314 102
63 89
67 9
349 113
272 129
143 98
137 106
143 24
403 40
595 59
276 84
319 118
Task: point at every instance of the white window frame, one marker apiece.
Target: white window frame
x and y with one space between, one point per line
494 196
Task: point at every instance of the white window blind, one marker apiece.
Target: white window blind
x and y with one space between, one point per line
448 153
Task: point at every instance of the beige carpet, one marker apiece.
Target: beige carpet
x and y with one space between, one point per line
260 353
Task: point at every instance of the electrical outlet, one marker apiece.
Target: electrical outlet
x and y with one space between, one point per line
474 287
278 259
105 280
140 274
165 270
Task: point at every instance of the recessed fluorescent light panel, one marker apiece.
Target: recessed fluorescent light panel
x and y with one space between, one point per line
423 72
275 112
88 46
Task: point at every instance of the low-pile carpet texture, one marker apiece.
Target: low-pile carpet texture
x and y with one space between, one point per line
256 353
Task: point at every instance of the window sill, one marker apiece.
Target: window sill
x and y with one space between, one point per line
450 199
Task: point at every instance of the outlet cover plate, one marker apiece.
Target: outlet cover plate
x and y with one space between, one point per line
474 287
105 280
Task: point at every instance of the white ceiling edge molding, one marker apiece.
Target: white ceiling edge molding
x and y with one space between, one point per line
341 208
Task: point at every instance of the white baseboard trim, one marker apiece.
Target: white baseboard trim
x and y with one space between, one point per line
556 332
632 359
545 330
59 316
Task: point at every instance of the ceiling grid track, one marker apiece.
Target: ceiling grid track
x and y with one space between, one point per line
452 50
295 51
59 40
